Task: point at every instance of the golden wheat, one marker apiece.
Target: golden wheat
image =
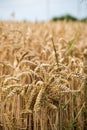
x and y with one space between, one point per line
42 75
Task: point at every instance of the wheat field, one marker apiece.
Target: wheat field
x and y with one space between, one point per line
42 75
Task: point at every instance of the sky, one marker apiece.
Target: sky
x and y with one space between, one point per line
41 10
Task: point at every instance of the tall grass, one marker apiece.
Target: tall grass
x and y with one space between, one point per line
41 75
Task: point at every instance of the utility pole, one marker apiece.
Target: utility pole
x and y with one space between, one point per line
78 9
48 8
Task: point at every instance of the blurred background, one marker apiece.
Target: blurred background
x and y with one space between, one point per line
41 10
